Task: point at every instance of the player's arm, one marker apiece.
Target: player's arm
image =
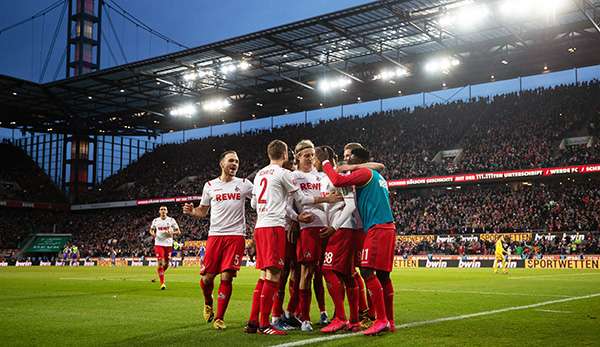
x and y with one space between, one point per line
153 230
199 212
358 177
176 230
347 211
303 199
370 165
202 210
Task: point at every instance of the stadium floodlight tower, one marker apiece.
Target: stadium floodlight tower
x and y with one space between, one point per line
83 56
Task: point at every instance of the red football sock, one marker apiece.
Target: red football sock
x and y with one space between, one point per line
336 290
352 292
319 289
292 306
388 298
207 290
256 301
266 301
223 298
161 275
305 297
278 300
360 286
376 294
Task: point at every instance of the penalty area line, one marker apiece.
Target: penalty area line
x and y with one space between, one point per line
440 320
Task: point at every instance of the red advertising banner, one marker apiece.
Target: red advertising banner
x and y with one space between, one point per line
498 175
165 200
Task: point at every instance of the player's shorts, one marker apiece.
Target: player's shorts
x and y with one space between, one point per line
223 253
339 252
378 248
309 247
270 247
358 239
163 252
500 257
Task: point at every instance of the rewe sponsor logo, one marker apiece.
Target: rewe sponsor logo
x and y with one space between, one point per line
469 264
228 196
436 264
310 186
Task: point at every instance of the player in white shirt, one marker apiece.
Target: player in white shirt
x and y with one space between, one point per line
225 197
272 186
310 246
163 229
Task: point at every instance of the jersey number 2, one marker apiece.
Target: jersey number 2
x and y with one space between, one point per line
263 184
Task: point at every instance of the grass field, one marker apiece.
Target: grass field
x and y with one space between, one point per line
120 306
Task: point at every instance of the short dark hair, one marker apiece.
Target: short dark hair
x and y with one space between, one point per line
276 149
362 154
352 145
222 156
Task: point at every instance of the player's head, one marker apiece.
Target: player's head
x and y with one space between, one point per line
163 211
289 165
305 154
229 163
331 156
277 150
359 156
348 149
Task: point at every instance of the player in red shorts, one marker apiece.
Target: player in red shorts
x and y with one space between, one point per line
225 197
310 245
287 320
163 229
373 205
272 186
367 314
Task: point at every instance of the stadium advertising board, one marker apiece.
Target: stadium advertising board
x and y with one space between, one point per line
48 243
416 238
491 176
512 236
452 262
562 264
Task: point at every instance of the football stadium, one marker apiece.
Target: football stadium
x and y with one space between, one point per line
296 173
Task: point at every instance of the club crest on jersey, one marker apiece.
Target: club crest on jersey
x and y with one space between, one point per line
237 189
307 254
281 261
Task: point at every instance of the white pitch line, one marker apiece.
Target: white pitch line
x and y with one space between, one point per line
440 320
478 292
554 275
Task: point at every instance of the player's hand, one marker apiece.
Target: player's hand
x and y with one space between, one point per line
305 217
333 197
188 208
326 232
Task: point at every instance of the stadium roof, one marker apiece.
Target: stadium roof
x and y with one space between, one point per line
271 71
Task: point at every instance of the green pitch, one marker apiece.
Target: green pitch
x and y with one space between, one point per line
121 306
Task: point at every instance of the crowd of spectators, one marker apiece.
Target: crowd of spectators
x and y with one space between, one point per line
566 205
512 131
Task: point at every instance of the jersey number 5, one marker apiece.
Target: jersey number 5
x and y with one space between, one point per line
263 185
